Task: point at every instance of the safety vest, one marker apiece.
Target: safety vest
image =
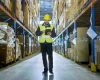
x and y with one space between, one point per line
45 38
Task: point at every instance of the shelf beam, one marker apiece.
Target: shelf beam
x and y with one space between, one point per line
7 13
79 15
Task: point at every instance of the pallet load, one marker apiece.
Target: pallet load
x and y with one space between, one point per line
7 3
6 43
82 46
74 53
18 49
6 54
30 46
26 15
98 54
70 53
19 13
80 4
20 38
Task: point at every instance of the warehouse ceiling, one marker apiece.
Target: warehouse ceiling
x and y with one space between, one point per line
45 8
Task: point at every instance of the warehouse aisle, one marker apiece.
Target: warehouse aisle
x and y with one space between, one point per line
64 69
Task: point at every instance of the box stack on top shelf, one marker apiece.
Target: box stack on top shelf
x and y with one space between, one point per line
60 7
19 12
7 3
58 14
27 11
80 4
34 13
26 14
70 8
55 12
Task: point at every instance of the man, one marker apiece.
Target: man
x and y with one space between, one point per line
46 32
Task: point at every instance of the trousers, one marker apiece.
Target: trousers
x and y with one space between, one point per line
46 49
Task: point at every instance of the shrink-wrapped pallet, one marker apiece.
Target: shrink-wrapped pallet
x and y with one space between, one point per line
98 53
82 45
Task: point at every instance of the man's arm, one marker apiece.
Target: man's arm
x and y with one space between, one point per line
53 34
38 32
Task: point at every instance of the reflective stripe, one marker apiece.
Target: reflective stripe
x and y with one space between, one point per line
45 38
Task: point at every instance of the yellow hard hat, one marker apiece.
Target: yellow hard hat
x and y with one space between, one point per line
47 17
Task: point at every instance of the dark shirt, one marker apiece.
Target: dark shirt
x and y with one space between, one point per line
39 33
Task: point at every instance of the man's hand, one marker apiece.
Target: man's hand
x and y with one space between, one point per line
43 31
48 33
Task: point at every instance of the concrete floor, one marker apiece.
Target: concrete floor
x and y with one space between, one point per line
31 69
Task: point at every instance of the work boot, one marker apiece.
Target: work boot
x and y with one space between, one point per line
51 72
45 71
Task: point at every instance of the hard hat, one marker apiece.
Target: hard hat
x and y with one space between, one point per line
47 17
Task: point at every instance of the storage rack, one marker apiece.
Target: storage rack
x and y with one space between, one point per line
91 7
18 26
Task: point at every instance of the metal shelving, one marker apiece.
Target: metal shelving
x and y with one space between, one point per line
8 14
19 28
85 9
82 19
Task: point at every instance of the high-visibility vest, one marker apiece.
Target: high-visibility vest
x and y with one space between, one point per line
45 38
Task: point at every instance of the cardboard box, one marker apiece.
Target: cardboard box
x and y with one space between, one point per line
18 49
20 37
82 51
98 53
82 45
6 54
79 4
18 8
7 3
26 15
82 32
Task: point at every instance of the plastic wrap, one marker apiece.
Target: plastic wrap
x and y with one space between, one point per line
6 35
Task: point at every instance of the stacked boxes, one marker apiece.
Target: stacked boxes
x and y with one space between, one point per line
18 8
82 52
98 53
7 3
31 11
26 15
70 53
26 45
27 12
70 9
79 4
20 38
30 45
6 54
18 49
